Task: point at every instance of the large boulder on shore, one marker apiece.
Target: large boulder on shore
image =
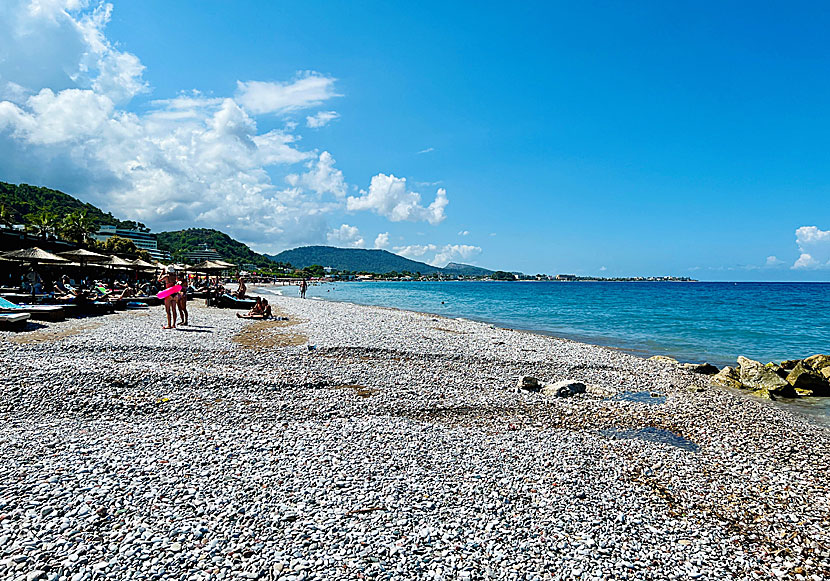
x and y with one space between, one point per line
702 368
565 388
817 362
728 377
756 375
803 378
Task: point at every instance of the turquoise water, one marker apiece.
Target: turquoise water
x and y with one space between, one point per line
697 322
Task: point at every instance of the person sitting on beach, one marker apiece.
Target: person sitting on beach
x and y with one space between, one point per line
170 302
182 301
127 292
256 311
266 309
240 290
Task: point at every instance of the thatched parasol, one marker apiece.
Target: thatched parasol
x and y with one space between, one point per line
212 266
117 262
142 264
34 255
82 255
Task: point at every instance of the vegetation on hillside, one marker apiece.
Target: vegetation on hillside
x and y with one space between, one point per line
352 260
179 242
32 205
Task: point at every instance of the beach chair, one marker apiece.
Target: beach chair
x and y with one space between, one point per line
13 321
36 312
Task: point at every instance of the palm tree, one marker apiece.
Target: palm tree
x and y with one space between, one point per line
44 223
77 227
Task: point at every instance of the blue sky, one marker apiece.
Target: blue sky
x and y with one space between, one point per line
600 138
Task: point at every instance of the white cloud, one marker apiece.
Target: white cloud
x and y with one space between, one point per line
441 255
464 233
321 119
346 236
388 197
773 262
308 90
382 240
602 268
427 150
322 177
814 245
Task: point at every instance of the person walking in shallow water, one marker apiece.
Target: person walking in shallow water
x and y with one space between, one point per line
170 302
303 288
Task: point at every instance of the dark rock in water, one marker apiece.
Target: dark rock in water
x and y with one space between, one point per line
817 362
802 377
564 388
755 375
528 383
702 368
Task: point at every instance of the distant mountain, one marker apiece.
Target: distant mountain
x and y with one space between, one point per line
178 242
466 269
352 259
24 201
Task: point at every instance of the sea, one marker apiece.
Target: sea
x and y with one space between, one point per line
690 321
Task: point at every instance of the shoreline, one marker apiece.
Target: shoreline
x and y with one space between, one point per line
355 441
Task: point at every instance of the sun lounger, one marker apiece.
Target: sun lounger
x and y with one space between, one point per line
13 321
229 302
37 312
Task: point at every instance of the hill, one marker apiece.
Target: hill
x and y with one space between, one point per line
177 242
24 201
352 259
466 269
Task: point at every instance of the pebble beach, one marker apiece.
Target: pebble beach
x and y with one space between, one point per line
353 442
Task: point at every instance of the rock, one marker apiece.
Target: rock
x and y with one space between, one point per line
753 374
763 394
702 368
777 369
528 383
789 364
802 377
565 388
817 362
663 359
728 377
825 373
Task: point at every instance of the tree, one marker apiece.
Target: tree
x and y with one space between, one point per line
502 275
77 227
6 216
43 222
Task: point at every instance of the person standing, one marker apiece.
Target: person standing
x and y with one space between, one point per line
168 279
182 301
303 288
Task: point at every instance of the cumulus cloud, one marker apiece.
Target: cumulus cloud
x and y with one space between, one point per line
346 236
382 240
814 245
464 233
321 119
389 197
773 262
309 89
438 255
322 177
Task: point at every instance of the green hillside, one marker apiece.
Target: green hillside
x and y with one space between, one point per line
352 259
24 201
178 242
457 268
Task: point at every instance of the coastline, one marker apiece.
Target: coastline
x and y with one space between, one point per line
366 442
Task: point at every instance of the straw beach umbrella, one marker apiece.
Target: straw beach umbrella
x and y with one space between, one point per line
82 256
34 256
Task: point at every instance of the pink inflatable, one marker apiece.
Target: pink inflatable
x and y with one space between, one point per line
169 291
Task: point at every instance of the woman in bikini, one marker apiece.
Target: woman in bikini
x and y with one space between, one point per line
169 279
